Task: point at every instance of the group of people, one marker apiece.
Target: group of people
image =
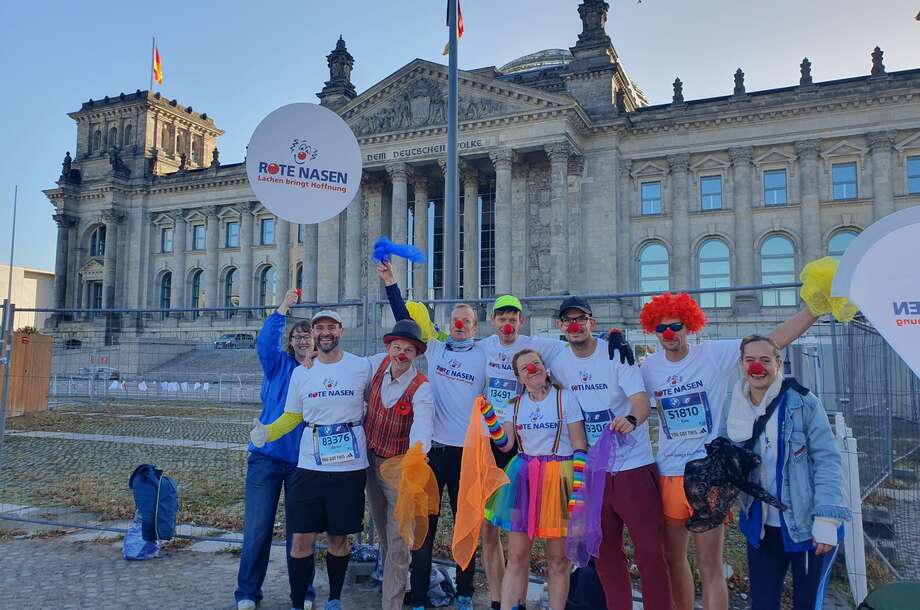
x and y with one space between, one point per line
331 422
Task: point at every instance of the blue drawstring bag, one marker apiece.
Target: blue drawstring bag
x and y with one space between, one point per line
134 547
157 500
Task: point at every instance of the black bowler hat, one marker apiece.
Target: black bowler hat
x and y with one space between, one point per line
408 330
574 303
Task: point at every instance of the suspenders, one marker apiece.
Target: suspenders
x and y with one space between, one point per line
559 421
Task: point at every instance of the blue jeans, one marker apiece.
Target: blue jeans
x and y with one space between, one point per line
767 567
264 479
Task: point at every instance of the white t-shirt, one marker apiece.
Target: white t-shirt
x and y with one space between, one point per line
501 384
603 388
692 399
331 396
537 423
456 378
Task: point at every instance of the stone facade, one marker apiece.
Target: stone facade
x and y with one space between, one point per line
575 173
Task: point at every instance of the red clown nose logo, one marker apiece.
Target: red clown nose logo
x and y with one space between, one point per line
573 327
507 329
531 368
755 368
458 324
668 335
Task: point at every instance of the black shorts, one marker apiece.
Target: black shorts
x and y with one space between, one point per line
331 502
501 457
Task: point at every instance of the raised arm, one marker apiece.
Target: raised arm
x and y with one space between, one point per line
268 343
793 328
397 304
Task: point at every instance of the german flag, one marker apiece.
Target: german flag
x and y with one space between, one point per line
459 26
157 67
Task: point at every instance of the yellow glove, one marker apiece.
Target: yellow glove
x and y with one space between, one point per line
817 277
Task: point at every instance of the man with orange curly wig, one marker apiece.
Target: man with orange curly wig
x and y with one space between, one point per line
689 385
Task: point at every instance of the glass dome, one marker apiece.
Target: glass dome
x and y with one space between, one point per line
548 58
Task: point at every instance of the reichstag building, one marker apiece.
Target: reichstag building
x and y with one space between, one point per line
570 182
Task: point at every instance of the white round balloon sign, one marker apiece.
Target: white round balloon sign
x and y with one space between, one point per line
304 163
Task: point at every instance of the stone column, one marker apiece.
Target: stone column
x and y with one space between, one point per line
111 218
503 159
623 213
575 225
328 267
245 273
354 247
283 255
470 179
373 195
881 143
559 168
309 262
399 219
420 235
742 178
210 242
810 210
680 221
61 277
179 277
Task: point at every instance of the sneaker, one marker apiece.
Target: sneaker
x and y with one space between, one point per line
245 604
333 604
464 603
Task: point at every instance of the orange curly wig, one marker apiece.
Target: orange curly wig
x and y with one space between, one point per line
668 305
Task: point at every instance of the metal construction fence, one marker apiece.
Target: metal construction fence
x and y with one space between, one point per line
179 388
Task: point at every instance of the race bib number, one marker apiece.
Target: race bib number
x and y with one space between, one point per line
334 444
686 416
499 393
595 424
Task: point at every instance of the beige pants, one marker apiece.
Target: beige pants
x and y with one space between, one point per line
382 499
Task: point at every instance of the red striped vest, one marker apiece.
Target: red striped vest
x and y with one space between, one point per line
387 430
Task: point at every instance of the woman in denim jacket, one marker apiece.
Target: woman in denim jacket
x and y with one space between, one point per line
802 467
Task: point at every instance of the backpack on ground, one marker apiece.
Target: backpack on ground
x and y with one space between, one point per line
157 500
585 591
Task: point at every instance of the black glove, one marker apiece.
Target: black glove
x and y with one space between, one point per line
616 342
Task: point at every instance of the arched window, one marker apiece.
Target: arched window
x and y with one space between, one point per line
165 290
97 141
654 270
267 285
777 266
839 242
97 241
715 272
129 134
195 294
113 138
231 298
299 281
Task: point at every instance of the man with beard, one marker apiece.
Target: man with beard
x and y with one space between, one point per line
612 394
273 465
327 491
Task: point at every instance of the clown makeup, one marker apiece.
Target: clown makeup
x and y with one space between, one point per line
401 353
507 323
760 363
530 371
463 322
577 326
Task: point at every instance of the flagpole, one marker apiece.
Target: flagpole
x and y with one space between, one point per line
153 47
451 217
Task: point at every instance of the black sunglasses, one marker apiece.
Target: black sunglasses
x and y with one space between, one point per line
675 326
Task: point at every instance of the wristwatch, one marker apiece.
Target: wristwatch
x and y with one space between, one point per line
632 419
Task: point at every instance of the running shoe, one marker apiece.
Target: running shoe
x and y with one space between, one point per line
245 604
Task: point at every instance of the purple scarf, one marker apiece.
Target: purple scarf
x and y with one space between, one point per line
584 529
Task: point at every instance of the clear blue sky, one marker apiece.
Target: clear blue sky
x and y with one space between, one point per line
237 60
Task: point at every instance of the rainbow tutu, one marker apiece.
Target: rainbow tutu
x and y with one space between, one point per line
536 499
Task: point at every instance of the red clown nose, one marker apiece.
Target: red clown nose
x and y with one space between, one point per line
402 358
755 368
458 324
531 368
668 335
507 329
298 292
573 327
